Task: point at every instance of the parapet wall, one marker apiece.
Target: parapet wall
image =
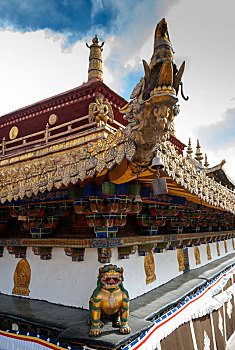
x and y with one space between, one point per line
63 281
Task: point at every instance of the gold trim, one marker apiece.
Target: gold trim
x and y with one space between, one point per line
55 170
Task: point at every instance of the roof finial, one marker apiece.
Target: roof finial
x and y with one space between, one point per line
189 150
206 164
198 154
95 59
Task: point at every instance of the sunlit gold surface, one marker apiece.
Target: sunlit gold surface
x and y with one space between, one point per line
149 267
109 299
13 133
197 255
180 258
95 59
233 244
218 249
208 250
22 277
225 247
52 119
100 111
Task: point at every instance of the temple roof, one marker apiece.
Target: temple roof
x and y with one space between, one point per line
81 134
220 175
82 94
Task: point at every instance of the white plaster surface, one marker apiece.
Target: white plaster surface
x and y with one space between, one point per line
62 281
203 253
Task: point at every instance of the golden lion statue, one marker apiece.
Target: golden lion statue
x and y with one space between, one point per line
110 300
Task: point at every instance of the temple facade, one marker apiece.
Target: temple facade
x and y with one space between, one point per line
93 185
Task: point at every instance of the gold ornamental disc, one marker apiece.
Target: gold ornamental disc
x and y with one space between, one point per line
13 133
53 119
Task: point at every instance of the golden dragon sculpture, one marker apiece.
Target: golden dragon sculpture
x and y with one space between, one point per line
153 104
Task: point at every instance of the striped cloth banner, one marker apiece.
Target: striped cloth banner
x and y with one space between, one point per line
17 341
192 307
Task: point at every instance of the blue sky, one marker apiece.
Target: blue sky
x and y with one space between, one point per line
43 53
74 18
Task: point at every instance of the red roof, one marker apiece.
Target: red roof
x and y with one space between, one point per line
68 106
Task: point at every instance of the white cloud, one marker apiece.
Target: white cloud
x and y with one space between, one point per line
34 66
97 6
133 42
219 135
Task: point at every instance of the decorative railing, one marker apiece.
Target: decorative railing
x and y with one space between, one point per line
50 134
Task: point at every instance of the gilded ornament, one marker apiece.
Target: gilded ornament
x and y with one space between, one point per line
151 112
180 258
22 277
149 267
100 111
225 246
110 299
197 255
218 248
13 133
41 174
52 119
95 59
208 250
198 154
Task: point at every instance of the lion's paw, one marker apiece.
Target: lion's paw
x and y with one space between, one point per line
94 332
125 329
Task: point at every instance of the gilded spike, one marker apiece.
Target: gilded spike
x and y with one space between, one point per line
198 154
189 150
206 164
95 59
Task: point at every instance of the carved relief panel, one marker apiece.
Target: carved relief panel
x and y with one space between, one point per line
218 249
180 257
225 247
208 250
22 277
149 267
197 255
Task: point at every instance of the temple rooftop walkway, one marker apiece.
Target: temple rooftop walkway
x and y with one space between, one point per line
71 323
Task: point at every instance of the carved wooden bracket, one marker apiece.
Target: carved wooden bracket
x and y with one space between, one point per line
77 254
124 252
44 252
20 252
144 249
104 255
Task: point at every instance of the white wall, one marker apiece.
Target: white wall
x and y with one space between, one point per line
203 253
62 281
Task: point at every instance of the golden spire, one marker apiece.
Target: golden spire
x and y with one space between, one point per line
189 150
206 164
198 154
95 59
